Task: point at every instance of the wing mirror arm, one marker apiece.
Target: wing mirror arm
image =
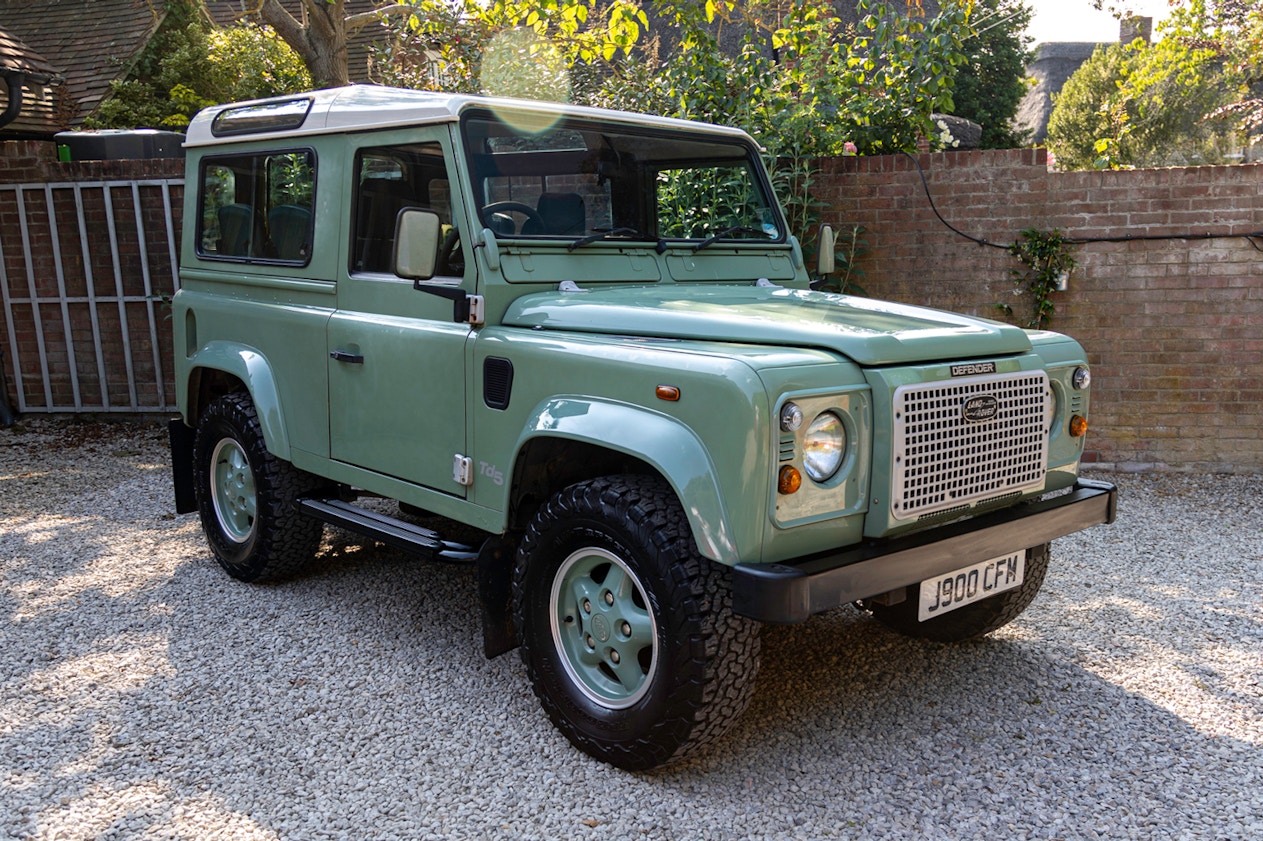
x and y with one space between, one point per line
418 232
466 308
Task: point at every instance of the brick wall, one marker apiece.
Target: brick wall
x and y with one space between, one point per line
77 298
1173 328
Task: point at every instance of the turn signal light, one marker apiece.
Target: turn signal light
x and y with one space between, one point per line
667 392
789 481
1078 426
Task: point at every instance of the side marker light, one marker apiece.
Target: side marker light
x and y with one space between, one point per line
667 392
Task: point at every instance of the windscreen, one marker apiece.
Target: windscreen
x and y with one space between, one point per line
587 181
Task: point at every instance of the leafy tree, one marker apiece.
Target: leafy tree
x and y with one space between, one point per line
191 65
824 85
523 48
320 35
1232 30
991 82
1083 112
1155 105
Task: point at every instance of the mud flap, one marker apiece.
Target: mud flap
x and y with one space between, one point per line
182 465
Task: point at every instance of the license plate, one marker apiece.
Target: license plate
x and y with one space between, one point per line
970 584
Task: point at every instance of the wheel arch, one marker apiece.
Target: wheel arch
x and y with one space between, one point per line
224 367
570 440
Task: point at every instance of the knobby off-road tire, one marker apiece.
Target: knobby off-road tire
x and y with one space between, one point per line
972 620
627 632
246 496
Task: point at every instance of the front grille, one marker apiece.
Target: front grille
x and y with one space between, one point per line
959 441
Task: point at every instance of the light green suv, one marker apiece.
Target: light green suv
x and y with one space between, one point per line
588 338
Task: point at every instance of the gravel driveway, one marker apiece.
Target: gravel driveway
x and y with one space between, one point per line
144 694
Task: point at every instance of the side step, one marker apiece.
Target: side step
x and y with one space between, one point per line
397 533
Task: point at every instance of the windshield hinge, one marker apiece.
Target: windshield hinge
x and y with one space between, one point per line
569 286
462 470
766 284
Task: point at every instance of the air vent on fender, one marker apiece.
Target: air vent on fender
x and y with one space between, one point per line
497 382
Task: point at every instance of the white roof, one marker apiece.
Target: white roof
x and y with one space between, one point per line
363 107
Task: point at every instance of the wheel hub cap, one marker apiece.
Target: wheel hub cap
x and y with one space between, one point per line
232 490
602 628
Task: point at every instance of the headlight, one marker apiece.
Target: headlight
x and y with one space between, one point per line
1082 378
824 445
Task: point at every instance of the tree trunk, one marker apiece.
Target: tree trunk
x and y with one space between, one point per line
320 40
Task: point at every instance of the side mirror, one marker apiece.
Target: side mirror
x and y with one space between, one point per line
417 232
824 251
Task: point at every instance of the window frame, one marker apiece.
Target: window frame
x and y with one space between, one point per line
262 155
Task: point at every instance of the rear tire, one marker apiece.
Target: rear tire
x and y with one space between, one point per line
627 632
247 497
972 620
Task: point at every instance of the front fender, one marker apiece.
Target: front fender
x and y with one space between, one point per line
669 446
253 370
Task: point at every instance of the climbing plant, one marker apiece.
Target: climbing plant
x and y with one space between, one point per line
1045 261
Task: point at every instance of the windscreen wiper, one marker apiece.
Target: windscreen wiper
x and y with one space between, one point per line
618 233
727 232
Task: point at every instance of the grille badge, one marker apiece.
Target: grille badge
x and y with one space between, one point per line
979 409
970 369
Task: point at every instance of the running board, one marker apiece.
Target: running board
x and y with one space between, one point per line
397 533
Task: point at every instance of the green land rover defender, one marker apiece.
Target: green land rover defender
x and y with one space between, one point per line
588 339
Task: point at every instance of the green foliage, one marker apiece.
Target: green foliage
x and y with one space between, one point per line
189 65
1149 105
1044 261
1082 112
522 48
991 82
1231 32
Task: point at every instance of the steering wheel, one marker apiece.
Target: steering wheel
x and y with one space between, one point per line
513 207
450 262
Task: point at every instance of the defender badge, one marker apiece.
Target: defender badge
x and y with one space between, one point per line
970 369
984 407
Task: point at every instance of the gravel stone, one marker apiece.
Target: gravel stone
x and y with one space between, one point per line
144 694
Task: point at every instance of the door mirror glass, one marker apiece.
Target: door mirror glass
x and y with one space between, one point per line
824 251
417 232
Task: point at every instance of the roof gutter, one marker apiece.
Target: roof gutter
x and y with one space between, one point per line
14 80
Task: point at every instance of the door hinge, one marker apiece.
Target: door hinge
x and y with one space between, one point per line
463 470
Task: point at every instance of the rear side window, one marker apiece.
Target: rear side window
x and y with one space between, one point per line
257 207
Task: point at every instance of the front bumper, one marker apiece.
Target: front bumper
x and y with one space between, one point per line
794 590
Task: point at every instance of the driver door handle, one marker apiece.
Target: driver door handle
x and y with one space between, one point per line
345 356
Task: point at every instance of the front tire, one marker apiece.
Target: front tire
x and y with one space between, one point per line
627 632
972 620
247 497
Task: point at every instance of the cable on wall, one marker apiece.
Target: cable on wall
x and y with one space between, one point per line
925 184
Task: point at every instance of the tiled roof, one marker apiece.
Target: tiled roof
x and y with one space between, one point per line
39 116
16 55
359 45
91 41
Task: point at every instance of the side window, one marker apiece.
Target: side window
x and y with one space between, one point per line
389 179
257 207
